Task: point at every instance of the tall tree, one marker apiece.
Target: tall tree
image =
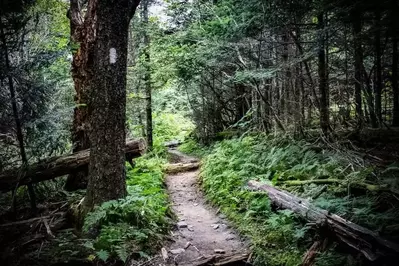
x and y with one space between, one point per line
395 61
13 96
378 74
357 29
107 105
323 86
147 74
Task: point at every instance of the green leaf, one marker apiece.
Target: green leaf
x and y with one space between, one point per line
102 255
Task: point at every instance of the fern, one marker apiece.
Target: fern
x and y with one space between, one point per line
137 222
280 238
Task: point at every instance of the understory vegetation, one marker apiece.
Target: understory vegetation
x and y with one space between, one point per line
278 237
299 95
137 224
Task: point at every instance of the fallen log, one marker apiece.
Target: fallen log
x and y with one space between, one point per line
58 166
312 181
369 243
353 185
180 167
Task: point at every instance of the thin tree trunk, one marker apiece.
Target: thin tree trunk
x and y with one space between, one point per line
147 77
378 75
17 121
395 61
357 28
107 106
323 88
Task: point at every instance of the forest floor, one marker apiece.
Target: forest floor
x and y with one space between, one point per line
201 235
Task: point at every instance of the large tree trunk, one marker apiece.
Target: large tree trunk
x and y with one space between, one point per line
83 36
369 243
323 88
58 166
107 106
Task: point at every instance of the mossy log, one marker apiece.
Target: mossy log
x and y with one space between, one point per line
58 166
369 243
181 167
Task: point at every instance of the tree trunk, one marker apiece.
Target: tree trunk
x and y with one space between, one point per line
58 166
147 76
82 35
369 243
17 121
395 61
323 88
107 106
357 28
378 74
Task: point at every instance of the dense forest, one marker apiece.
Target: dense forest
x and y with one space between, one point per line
198 132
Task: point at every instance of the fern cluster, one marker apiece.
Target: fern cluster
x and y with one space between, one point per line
135 224
274 236
280 238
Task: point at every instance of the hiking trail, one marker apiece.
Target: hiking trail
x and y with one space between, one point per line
202 236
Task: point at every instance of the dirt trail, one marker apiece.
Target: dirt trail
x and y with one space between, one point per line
200 231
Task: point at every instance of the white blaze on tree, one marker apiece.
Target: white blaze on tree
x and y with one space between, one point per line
112 55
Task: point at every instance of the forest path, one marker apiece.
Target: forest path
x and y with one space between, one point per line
200 233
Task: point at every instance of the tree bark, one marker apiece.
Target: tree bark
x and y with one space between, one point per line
58 166
107 106
369 243
82 35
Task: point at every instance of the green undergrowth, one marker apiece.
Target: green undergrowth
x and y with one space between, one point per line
192 147
281 238
136 225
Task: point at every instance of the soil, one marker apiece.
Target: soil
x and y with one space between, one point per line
201 231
